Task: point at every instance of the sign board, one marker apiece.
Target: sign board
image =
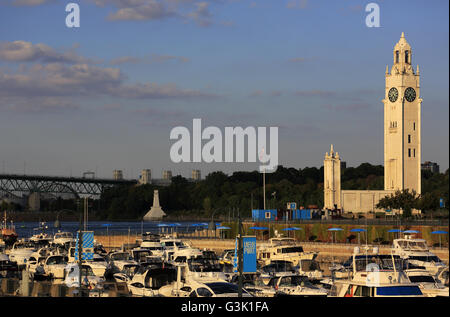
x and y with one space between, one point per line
268 215
291 206
87 247
249 246
441 202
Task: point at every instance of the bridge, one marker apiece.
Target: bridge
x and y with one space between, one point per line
13 184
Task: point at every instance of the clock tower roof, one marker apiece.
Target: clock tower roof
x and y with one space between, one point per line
402 44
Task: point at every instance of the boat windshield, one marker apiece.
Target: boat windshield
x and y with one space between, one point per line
223 288
201 264
122 256
60 235
292 250
292 281
422 279
56 260
384 262
309 265
425 258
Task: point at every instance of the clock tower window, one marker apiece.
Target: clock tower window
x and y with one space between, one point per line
406 57
397 55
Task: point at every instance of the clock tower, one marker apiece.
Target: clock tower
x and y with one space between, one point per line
402 105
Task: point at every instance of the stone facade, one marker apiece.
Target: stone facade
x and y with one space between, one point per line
402 143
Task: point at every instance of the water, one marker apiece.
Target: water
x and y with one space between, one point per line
27 229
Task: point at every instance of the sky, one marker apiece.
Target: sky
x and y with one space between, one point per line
106 95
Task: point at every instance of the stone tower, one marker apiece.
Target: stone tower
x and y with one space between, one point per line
332 180
402 105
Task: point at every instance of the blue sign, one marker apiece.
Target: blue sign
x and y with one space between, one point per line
249 246
87 246
441 202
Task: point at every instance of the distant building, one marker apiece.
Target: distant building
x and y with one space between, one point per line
196 176
430 166
146 176
117 175
167 175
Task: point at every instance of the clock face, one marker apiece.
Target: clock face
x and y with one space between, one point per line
410 94
393 94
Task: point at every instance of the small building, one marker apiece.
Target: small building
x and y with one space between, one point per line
430 166
117 175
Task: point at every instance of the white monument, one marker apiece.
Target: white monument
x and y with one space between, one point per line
155 213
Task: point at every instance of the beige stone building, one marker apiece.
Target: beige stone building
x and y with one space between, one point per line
402 143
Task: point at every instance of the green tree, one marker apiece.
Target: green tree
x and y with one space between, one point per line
402 199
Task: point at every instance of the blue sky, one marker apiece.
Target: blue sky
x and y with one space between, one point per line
106 95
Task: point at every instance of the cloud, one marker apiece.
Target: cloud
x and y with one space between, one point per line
148 60
22 51
297 4
148 10
30 2
86 80
201 15
141 10
38 104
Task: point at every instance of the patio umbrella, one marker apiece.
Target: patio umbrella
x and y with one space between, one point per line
410 231
291 229
223 228
398 231
259 228
359 230
335 229
439 232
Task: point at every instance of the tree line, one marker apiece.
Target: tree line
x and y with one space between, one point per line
222 194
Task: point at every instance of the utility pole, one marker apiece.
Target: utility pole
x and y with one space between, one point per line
80 241
240 255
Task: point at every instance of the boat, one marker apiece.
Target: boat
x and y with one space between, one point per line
65 239
292 284
148 281
41 238
8 232
21 251
7 267
286 249
88 278
428 284
199 289
118 260
418 255
375 275
254 284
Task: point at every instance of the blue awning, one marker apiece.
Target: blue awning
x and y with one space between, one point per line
357 230
292 228
395 230
335 229
411 231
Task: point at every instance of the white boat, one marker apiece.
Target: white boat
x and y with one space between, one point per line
63 238
148 282
198 289
98 264
173 245
295 285
286 249
375 275
21 251
88 278
118 260
54 266
428 284
418 255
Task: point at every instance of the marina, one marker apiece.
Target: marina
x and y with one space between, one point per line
160 262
